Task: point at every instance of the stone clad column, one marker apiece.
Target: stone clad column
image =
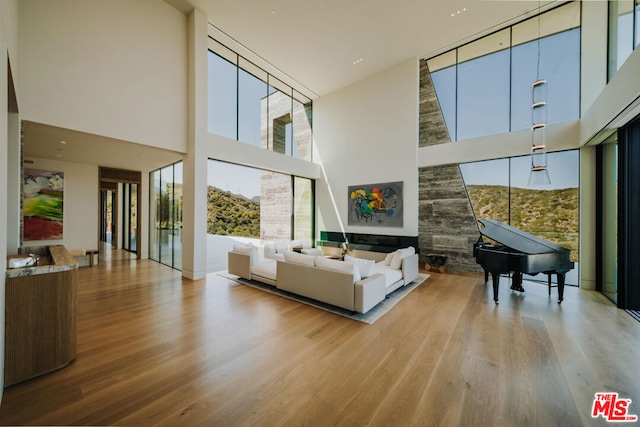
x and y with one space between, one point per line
446 224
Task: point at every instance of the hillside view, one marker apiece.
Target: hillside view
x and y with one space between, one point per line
549 214
230 214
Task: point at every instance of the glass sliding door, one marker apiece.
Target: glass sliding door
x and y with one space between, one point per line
165 215
130 217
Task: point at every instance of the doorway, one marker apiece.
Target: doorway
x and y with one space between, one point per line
120 210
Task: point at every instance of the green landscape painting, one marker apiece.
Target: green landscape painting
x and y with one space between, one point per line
43 194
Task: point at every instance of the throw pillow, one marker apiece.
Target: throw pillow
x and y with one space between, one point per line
399 255
365 266
291 256
270 250
282 246
387 259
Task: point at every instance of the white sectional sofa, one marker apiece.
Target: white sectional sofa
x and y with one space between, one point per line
354 284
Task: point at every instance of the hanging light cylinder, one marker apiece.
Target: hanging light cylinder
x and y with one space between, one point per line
539 175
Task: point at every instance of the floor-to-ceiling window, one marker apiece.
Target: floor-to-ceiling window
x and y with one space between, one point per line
484 87
254 107
499 189
165 215
254 205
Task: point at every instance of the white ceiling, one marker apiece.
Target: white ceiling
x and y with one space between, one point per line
314 42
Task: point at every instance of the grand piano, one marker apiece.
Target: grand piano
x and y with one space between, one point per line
519 253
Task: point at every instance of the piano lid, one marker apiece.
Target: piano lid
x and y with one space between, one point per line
517 239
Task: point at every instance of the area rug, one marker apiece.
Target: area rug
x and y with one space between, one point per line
369 317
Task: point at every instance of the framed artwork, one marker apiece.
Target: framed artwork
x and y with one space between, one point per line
376 204
42 204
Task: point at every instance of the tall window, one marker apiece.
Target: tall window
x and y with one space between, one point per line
252 106
498 190
260 204
484 87
165 236
624 30
249 204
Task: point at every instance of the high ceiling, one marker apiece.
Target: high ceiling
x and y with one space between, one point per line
323 45
328 44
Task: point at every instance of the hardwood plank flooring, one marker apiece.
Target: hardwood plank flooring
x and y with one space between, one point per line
156 349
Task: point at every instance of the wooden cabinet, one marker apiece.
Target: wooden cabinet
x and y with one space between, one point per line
40 320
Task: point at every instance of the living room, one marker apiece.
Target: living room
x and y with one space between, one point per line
81 81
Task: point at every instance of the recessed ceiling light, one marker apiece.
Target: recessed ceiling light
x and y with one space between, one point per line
458 12
63 142
358 61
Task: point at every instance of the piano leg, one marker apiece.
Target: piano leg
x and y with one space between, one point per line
495 278
516 281
561 277
486 276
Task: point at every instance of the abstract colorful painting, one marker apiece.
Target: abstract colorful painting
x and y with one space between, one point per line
376 204
42 208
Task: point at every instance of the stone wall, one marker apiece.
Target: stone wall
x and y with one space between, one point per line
446 224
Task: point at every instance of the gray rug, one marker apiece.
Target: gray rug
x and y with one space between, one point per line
369 317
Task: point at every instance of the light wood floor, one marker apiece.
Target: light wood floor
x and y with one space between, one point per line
154 349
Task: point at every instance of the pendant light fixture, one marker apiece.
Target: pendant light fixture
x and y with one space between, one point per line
539 175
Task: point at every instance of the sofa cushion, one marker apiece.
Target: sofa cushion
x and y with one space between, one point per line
282 247
391 276
291 256
337 265
267 269
365 266
312 251
399 255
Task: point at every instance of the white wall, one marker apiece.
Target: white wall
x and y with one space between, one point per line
81 204
116 68
367 133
